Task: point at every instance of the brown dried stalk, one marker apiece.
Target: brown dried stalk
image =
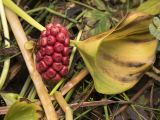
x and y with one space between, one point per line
74 81
97 103
65 107
27 55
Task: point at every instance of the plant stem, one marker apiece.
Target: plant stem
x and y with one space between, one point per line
25 86
27 55
78 117
11 5
74 81
77 18
106 110
32 93
69 94
7 44
42 15
53 12
71 59
82 4
65 107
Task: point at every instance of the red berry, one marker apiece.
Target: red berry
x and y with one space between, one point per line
64 71
49 50
66 42
42 66
48 32
58 25
57 66
44 33
54 30
60 37
45 76
58 47
39 56
66 51
49 26
52 57
51 73
65 61
48 60
64 30
57 78
57 57
42 51
43 41
51 40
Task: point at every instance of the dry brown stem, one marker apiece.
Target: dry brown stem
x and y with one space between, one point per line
27 55
65 107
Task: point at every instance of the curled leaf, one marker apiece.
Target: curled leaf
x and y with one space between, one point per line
118 58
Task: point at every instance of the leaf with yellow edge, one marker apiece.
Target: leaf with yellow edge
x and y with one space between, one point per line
118 58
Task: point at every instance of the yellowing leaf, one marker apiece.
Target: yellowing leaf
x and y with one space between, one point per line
118 58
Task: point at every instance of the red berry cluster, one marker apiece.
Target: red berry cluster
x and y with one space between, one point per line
52 57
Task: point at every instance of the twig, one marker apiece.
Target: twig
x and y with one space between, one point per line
85 98
97 103
3 110
74 81
135 97
151 101
37 80
65 107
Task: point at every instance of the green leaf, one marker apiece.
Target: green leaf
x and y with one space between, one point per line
23 111
10 98
98 20
99 4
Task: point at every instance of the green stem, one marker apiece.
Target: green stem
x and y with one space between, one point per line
82 4
69 94
77 18
84 113
7 44
133 107
32 93
39 18
71 59
25 87
106 110
11 5
53 12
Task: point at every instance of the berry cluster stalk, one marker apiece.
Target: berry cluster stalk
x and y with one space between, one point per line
37 80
